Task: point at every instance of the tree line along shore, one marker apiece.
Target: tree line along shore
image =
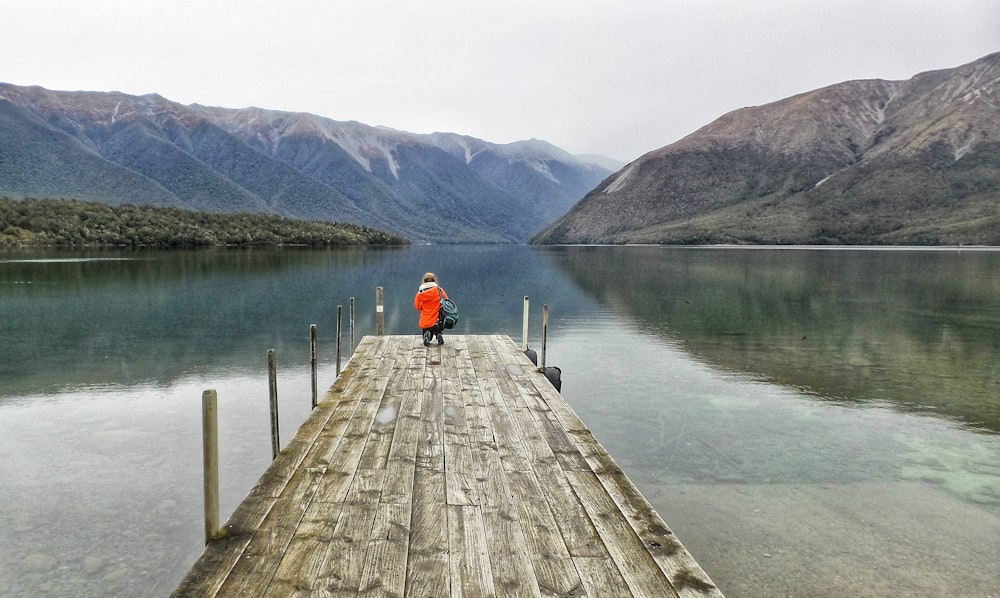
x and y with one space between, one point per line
75 223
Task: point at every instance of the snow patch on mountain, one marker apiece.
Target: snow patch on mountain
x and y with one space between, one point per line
366 144
534 153
460 146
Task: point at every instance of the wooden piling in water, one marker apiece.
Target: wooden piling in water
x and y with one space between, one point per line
524 326
313 364
379 313
340 315
351 316
545 334
210 453
272 385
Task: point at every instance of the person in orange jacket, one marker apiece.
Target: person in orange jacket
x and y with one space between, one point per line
428 303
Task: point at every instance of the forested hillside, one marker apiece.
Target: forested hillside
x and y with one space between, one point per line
80 223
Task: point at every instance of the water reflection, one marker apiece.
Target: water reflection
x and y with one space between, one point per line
919 330
101 494
142 316
789 413
155 315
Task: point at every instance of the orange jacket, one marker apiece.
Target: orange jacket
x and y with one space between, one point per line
428 303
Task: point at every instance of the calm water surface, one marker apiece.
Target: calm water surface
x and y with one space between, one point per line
809 422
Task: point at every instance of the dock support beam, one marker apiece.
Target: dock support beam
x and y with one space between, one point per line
272 379
379 313
351 316
524 327
545 332
210 449
312 362
340 334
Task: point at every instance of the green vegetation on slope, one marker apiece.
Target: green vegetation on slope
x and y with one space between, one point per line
79 223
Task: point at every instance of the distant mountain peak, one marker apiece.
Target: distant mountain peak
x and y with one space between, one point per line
116 148
866 161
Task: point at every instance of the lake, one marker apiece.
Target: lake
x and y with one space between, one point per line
809 422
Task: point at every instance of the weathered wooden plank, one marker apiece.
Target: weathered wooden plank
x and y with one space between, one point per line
345 452
674 560
366 486
569 513
401 458
504 371
275 480
477 419
513 574
335 413
562 429
469 565
594 452
258 564
301 566
344 562
554 569
385 564
403 453
430 447
427 566
383 428
626 549
601 577
513 453
537 394
460 466
460 470
213 567
363 363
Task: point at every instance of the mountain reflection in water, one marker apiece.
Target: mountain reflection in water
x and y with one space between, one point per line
917 329
809 422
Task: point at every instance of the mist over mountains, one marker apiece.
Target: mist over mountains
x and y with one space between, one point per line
860 162
146 150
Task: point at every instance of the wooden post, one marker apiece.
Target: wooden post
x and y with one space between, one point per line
210 449
312 361
545 332
272 377
524 332
352 325
379 312
340 327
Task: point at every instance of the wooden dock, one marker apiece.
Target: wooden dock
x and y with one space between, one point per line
444 471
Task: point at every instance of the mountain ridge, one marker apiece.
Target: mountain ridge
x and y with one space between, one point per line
441 187
867 161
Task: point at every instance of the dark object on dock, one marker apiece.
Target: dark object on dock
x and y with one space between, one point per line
554 375
532 355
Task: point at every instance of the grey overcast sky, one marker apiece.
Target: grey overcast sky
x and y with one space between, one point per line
611 77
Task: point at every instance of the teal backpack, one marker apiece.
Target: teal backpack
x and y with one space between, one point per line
448 315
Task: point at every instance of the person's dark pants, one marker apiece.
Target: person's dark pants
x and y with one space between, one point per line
430 333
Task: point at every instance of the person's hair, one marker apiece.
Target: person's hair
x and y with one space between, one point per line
430 277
